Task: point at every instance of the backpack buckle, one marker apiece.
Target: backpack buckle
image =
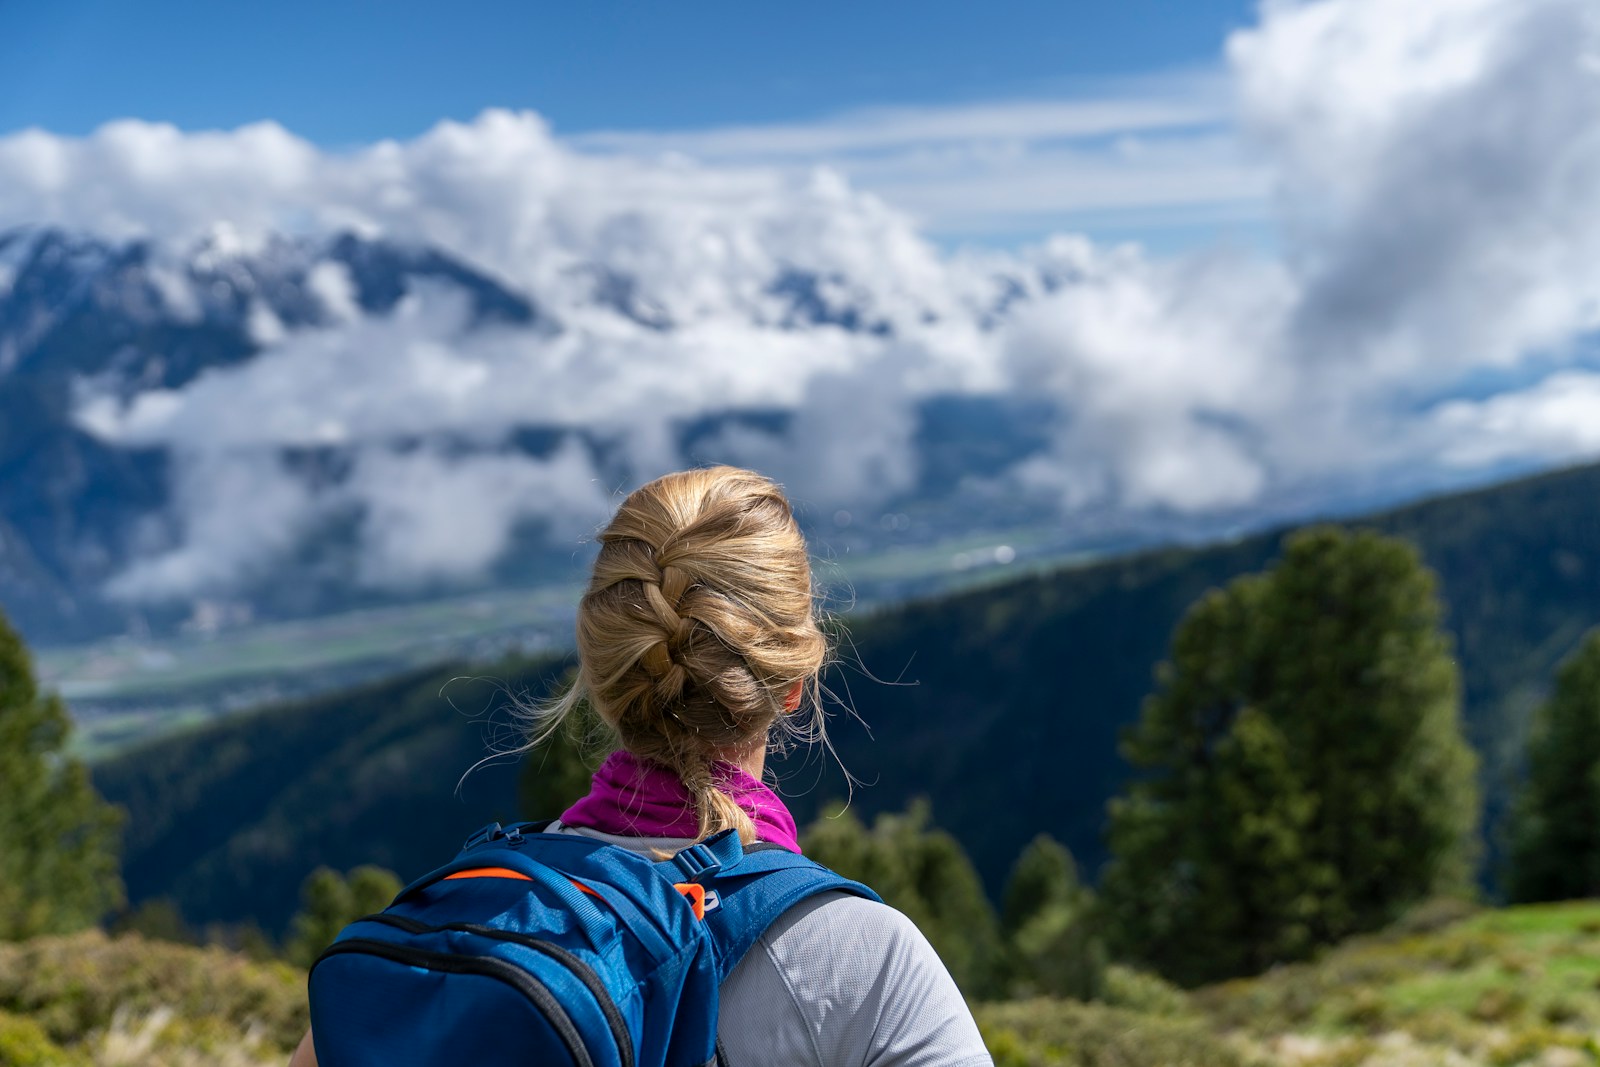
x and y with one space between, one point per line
483 836
703 862
697 864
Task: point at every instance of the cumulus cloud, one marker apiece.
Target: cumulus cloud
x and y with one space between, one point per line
1154 363
1558 419
499 192
1434 175
430 516
1439 163
241 512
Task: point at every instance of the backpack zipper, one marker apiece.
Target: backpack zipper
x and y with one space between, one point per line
580 970
486 966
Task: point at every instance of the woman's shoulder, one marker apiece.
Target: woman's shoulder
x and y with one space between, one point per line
837 916
859 980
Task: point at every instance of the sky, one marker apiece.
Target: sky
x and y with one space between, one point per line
1350 249
352 72
658 76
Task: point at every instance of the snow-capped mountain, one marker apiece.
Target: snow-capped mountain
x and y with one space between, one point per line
239 367
143 425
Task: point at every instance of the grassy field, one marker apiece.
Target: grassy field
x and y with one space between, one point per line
1448 987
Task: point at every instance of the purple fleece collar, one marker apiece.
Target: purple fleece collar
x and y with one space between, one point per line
637 798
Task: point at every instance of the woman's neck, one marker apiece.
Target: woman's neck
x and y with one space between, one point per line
752 759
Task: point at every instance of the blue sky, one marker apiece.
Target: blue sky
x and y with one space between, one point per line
1421 176
353 72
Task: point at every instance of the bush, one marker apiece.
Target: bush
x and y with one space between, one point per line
1136 990
23 1043
77 986
1066 1033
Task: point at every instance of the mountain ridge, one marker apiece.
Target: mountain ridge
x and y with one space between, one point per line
100 338
1013 700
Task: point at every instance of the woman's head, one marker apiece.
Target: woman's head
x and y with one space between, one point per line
698 625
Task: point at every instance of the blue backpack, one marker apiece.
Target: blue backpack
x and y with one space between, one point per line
539 948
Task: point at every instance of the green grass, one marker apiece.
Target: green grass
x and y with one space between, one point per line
1518 986
1512 986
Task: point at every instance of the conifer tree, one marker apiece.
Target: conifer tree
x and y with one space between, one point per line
1555 827
58 839
1303 775
330 901
1048 922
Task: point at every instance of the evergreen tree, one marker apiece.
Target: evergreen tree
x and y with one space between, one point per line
331 901
1304 777
924 873
1049 926
1555 828
58 840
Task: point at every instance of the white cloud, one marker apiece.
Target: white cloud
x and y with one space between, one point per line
330 283
1557 419
1147 360
1439 163
1434 167
1178 103
242 511
429 516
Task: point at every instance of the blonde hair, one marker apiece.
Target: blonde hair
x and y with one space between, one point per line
697 625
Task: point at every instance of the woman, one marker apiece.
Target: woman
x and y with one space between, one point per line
697 645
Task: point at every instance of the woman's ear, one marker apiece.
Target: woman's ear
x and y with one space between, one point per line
791 699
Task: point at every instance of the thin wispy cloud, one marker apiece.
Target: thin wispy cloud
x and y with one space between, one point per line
1156 150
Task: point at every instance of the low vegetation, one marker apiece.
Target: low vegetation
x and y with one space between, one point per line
89 999
1448 985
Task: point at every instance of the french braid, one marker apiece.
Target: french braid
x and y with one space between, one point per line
697 623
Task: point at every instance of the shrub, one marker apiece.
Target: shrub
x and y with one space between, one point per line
1136 990
1067 1033
23 1043
76 986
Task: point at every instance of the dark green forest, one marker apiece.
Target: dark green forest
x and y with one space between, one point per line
1003 705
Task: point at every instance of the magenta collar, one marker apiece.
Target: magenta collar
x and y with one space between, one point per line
638 798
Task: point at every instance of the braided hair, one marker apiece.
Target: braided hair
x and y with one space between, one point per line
697 625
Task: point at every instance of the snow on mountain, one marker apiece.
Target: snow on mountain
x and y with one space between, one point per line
233 364
375 417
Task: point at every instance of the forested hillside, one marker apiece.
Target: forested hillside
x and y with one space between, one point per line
229 820
1002 705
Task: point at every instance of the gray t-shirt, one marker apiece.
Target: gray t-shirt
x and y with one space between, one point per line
837 981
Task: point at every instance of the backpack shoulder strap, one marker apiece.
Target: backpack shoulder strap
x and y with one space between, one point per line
747 890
